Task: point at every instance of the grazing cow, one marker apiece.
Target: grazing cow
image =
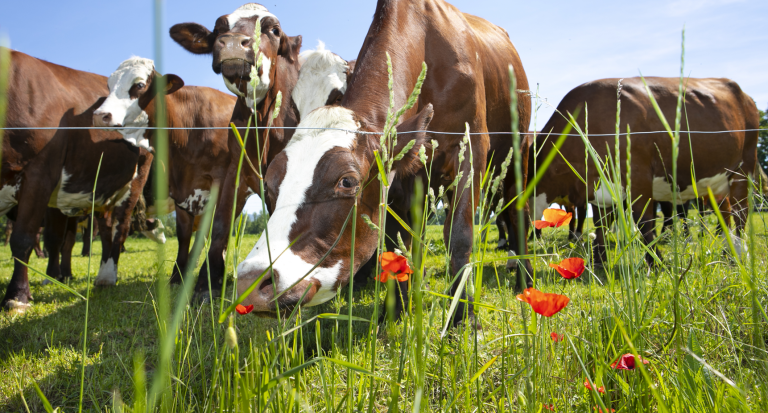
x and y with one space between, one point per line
720 161
231 46
196 158
58 167
323 172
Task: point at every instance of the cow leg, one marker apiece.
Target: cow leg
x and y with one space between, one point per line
185 223
8 231
88 233
38 248
581 217
105 233
571 225
67 247
645 219
502 226
56 225
214 266
517 246
600 219
25 229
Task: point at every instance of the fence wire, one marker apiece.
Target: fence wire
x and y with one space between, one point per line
364 132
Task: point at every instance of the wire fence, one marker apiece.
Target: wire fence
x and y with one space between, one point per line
364 132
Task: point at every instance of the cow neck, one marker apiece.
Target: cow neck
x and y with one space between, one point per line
368 95
172 103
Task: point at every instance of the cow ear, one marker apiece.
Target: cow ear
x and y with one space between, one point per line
172 83
290 47
410 163
194 37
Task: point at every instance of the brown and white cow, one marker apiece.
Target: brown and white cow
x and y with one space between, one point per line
323 172
720 161
196 158
57 167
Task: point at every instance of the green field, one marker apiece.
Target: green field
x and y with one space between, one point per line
528 368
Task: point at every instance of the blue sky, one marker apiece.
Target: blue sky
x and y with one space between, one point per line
562 43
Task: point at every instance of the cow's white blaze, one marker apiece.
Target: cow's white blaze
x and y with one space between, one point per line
125 110
321 72
303 152
256 95
662 190
196 202
107 274
246 11
8 197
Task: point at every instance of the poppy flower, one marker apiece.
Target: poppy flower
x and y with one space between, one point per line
545 304
626 362
569 267
600 389
394 267
550 407
557 337
244 309
553 218
601 410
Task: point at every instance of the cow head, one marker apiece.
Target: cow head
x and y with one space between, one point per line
231 44
312 187
322 80
131 88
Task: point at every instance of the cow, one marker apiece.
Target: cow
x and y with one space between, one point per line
325 170
197 158
58 167
721 161
230 44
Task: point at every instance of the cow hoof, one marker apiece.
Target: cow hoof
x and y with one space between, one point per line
205 297
16 307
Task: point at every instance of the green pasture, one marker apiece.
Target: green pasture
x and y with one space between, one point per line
513 365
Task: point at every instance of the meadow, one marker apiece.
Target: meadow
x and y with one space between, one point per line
706 363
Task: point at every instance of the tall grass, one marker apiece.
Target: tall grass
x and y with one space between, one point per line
688 318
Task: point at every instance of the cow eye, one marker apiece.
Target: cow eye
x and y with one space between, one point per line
347 183
276 31
140 85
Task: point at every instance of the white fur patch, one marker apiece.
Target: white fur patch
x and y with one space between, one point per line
196 202
502 243
260 92
662 190
539 205
126 111
8 198
157 234
107 274
304 152
232 87
603 194
321 72
247 11
79 203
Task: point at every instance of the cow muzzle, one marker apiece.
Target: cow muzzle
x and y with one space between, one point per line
266 297
234 55
104 120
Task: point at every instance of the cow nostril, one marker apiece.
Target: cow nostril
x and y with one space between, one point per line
246 42
107 117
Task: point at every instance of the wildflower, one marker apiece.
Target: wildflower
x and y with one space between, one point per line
557 337
244 309
546 304
394 266
553 218
601 410
550 407
592 236
600 389
626 362
569 267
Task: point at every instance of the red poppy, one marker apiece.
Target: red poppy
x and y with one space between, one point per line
550 407
626 362
244 309
545 304
394 267
601 410
557 337
600 389
569 267
553 218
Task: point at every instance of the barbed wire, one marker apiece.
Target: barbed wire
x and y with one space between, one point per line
362 132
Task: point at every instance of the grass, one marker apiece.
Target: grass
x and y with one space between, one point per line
43 344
